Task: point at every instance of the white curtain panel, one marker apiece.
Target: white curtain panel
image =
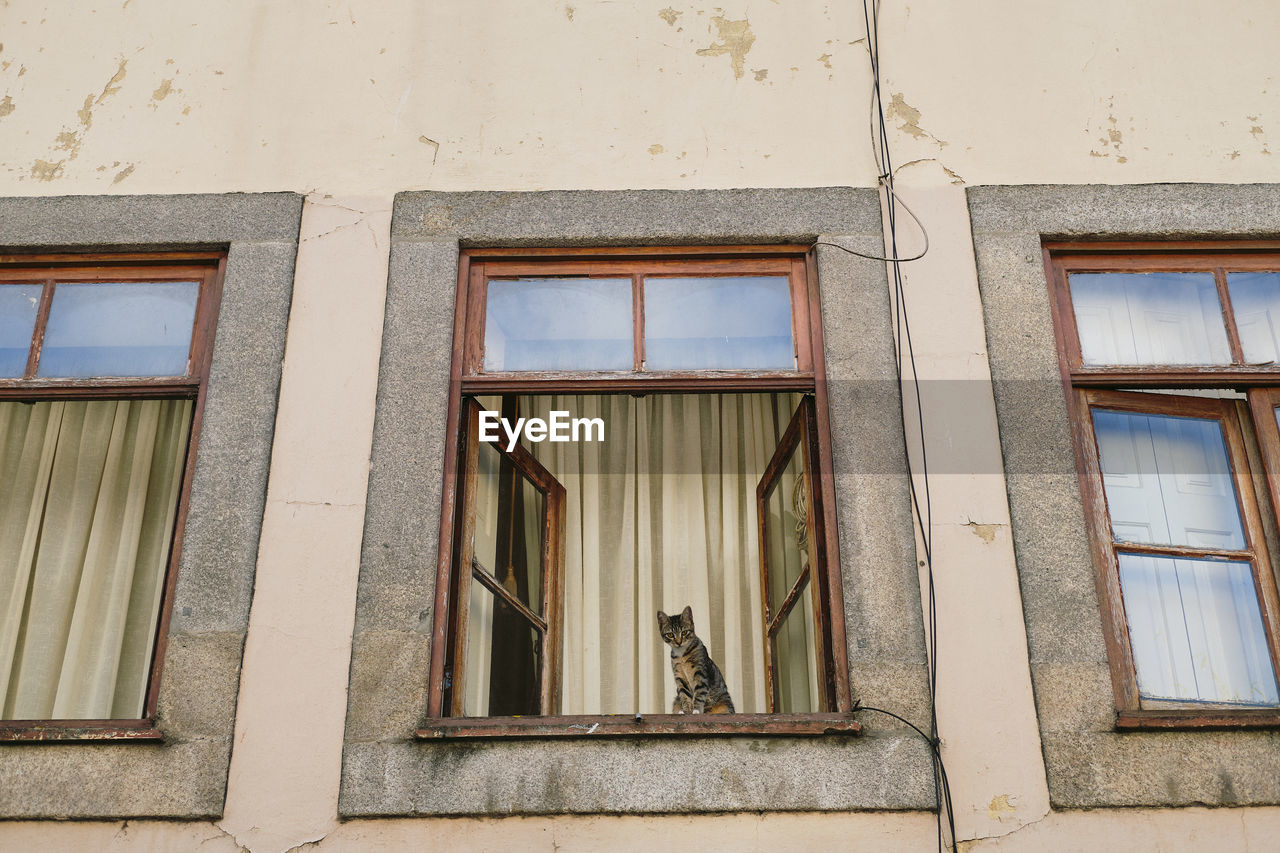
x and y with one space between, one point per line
660 515
90 491
1196 630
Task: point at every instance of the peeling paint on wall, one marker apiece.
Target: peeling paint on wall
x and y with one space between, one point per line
736 39
123 173
1000 806
909 119
656 149
6 106
985 532
162 91
1255 130
70 139
669 15
43 170
1112 137
114 84
435 147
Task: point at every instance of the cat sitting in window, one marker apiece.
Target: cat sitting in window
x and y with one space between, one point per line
700 688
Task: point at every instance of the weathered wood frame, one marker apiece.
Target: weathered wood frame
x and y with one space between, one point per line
1088 387
550 625
206 268
468 379
800 437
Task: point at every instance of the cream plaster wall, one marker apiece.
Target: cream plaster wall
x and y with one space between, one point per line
1185 831
986 712
371 97
353 101
285 765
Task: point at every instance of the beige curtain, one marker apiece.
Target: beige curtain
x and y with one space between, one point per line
88 495
660 515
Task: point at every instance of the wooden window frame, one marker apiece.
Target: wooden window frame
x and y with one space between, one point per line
206 268
469 379
551 623
1089 386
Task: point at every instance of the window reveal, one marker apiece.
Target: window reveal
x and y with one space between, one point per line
102 367
1179 473
711 439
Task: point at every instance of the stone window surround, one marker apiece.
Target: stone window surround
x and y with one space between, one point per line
1088 762
387 772
186 775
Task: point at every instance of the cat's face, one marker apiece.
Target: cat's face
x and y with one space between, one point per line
676 630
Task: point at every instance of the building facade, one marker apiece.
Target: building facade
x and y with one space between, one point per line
1083 591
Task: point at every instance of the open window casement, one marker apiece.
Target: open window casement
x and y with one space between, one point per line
507 608
701 371
793 571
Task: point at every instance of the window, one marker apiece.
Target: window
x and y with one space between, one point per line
1172 357
103 361
635 431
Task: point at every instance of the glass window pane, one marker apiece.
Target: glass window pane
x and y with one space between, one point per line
503 672
1149 318
485 537
795 662
558 324
1255 301
509 525
115 329
19 304
1167 480
526 558
787 536
503 646
1196 630
87 514
718 323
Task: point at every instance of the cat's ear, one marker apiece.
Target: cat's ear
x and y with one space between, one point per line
687 616
664 621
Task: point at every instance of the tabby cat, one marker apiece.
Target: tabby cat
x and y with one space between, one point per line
700 688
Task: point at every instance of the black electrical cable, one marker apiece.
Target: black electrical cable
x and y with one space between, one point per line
884 163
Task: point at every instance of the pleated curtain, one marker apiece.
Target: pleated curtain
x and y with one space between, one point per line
88 495
660 515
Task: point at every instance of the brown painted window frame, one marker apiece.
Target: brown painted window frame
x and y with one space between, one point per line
1255 465
208 268
468 379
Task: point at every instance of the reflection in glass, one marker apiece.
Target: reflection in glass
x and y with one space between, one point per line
1255 301
1196 630
510 688
503 646
488 464
1149 318
742 322
119 329
787 536
795 665
526 559
794 660
475 702
1167 480
558 324
19 304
